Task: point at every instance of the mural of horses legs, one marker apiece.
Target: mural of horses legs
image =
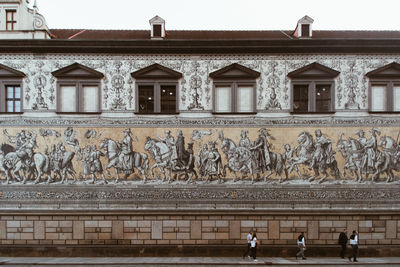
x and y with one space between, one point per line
161 166
141 162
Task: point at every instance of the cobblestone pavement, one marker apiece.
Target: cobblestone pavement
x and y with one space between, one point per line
192 261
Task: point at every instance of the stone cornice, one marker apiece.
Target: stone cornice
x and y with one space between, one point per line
154 121
203 46
130 197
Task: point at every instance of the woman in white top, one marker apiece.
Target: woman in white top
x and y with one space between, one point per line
253 246
354 245
301 243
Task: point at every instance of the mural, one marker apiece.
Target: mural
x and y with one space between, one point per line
156 155
195 87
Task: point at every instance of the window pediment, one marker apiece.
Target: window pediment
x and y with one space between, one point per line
390 71
313 71
156 71
77 71
7 72
235 71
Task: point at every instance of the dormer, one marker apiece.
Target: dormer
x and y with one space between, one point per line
20 21
304 27
157 30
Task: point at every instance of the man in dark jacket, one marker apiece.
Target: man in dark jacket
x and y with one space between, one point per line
343 242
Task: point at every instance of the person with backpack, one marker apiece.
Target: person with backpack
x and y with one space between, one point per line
301 243
343 242
253 246
354 245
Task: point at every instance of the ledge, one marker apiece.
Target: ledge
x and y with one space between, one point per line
197 198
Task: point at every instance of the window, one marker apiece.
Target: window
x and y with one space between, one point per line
313 89
79 97
10 90
234 98
312 97
157 97
156 90
11 20
13 98
384 88
385 97
157 30
78 89
234 89
305 30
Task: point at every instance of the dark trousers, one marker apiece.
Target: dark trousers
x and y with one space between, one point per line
247 251
355 252
254 252
343 251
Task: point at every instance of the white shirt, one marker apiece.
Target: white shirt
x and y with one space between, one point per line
249 236
354 241
302 242
253 242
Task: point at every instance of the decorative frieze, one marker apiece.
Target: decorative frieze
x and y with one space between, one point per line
273 86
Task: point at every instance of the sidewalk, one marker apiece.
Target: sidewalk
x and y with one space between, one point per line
192 261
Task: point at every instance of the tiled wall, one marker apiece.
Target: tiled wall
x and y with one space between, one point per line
194 229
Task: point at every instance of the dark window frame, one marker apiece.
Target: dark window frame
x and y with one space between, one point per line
306 27
312 85
3 95
157 30
389 84
79 95
13 21
234 85
157 84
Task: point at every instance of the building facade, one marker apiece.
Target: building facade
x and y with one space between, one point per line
162 142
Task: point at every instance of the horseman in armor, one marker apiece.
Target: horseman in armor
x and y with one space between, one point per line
323 152
170 142
244 141
125 158
24 142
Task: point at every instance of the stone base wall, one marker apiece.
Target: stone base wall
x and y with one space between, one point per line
191 230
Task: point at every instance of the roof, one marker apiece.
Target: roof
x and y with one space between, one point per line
87 34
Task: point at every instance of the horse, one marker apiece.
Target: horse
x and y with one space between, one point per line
239 159
60 169
353 151
306 154
9 160
162 154
388 160
113 151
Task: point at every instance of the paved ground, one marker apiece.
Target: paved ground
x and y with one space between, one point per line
194 261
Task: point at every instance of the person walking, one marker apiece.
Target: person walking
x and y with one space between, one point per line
354 245
343 242
301 243
249 238
253 247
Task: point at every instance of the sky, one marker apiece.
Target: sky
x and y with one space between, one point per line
221 14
